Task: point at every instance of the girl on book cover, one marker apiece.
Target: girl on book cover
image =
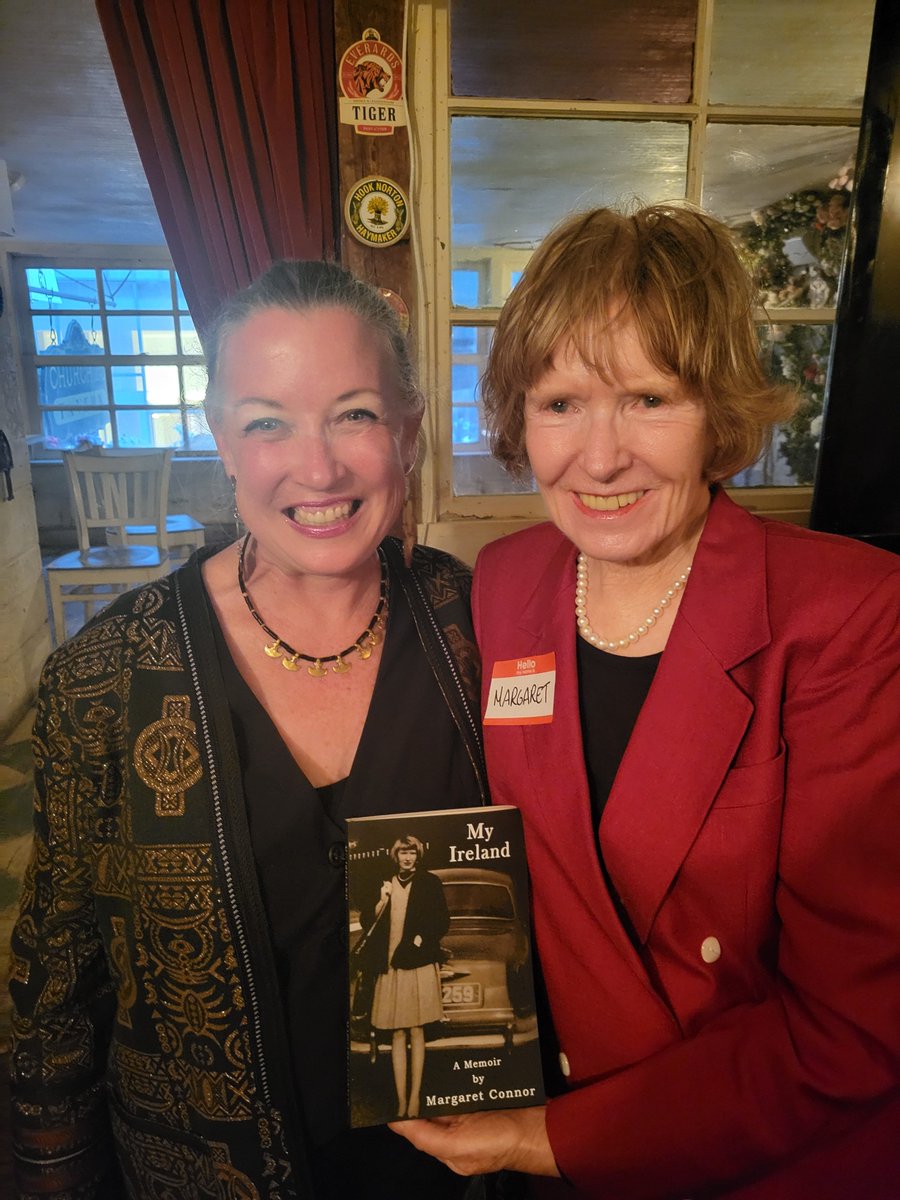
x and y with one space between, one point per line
409 917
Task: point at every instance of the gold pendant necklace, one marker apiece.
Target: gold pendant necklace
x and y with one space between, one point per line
279 648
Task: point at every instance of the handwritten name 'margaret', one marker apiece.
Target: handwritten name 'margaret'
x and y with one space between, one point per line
515 695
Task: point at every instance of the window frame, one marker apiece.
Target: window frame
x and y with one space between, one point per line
433 107
98 259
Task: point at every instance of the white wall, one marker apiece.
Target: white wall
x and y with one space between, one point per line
24 625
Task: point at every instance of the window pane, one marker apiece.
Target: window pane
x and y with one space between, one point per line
137 289
811 53
142 335
68 385
66 335
145 385
799 354
190 341
475 472
514 178
569 50
466 411
182 303
198 432
58 288
786 190
464 339
70 430
161 427
194 379
466 283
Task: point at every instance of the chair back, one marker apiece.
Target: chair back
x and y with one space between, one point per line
112 491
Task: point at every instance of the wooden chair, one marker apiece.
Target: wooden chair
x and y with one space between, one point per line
110 493
182 528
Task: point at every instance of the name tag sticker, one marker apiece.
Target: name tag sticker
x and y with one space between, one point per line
521 691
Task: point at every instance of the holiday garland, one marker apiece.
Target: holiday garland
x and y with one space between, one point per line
818 218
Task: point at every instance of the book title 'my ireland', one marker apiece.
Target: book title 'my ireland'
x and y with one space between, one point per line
479 834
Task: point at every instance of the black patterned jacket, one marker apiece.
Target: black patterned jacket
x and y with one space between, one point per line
150 1051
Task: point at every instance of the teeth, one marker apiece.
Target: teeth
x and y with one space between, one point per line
322 516
607 503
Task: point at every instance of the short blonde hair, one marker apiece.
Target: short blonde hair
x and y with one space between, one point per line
676 273
408 842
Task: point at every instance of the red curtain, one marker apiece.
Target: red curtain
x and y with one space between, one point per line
232 104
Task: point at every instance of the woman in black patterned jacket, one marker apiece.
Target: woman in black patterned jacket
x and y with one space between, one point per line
179 964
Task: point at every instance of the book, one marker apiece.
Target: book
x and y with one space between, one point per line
442 1008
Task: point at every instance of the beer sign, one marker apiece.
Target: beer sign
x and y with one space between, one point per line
371 81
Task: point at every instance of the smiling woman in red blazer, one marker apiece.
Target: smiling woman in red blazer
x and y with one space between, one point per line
697 713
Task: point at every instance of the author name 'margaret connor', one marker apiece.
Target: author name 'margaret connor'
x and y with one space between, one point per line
479 1097
478 833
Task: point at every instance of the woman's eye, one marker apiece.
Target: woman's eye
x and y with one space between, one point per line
558 406
358 415
262 425
652 401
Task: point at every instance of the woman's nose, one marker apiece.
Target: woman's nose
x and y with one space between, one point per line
315 463
604 452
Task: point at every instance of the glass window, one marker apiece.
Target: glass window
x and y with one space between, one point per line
570 50
466 415
555 109
71 289
65 385
466 286
133 289
138 334
799 354
786 191
145 385
803 53
101 314
190 339
62 333
514 178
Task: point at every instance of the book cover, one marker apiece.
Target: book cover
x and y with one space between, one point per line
442 1012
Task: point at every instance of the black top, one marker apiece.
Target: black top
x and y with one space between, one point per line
410 757
611 691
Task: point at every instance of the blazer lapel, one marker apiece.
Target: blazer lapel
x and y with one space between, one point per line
554 755
693 719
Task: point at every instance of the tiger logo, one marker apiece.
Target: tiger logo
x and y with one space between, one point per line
370 76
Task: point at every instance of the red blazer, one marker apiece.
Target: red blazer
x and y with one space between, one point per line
757 804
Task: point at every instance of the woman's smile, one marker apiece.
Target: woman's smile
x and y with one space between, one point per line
323 519
315 432
609 504
618 458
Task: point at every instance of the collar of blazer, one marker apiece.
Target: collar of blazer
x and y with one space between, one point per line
689 727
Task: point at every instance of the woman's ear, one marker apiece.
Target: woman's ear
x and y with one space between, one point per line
410 440
223 451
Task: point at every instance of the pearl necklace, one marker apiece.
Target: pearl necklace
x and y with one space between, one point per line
584 625
279 648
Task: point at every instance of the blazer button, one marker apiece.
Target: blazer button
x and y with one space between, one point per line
710 950
337 854
564 1064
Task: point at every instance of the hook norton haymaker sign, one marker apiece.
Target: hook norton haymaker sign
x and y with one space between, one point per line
371 81
377 211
